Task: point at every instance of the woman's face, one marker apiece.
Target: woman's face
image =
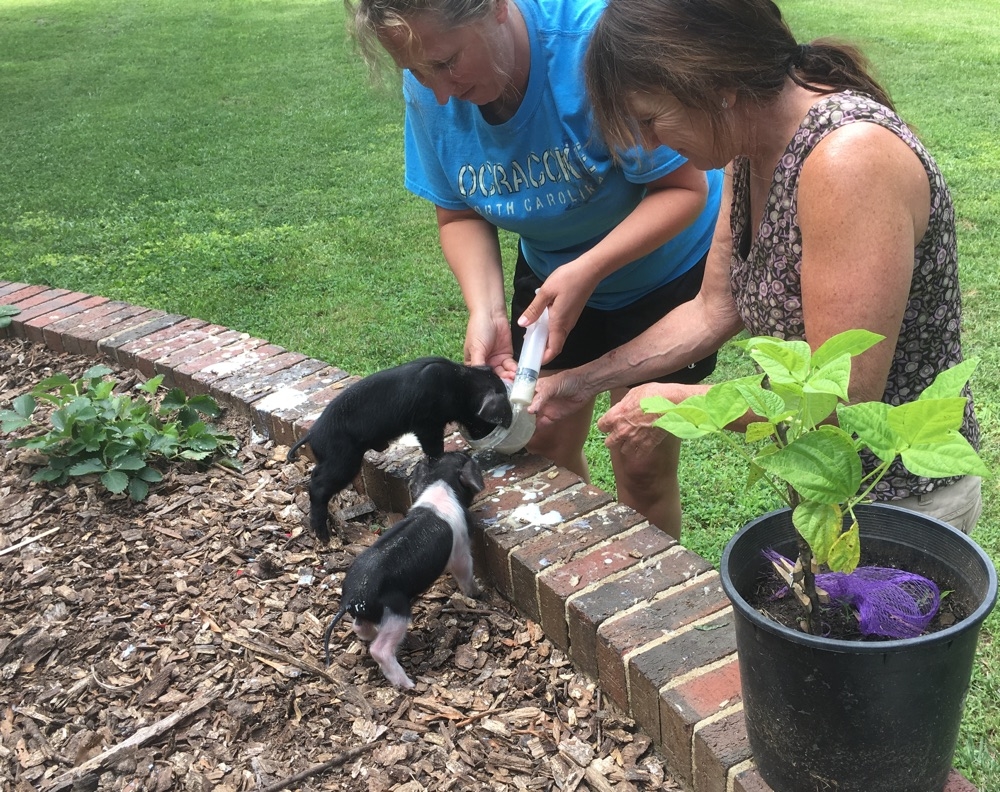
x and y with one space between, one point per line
468 62
662 120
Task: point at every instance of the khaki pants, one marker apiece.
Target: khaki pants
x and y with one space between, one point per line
958 504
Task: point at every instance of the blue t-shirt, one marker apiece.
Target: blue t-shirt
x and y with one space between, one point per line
545 174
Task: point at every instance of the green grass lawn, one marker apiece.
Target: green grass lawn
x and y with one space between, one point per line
231 161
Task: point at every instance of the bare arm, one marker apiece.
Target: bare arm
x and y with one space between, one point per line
472 249
685 335
863 206
670 205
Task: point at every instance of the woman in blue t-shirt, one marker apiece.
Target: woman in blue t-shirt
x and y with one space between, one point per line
499 134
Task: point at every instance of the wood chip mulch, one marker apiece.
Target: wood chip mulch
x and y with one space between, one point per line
177 644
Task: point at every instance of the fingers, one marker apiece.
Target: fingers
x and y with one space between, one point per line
535 308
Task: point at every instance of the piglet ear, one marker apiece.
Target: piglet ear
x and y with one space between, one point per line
495 409
419 478
470 476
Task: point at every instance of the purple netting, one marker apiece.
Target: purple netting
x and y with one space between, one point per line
889 602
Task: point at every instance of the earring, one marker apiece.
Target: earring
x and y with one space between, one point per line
725 103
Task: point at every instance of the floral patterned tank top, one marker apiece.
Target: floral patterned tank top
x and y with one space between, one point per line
766 282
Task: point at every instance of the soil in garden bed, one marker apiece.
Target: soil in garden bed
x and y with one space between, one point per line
176 643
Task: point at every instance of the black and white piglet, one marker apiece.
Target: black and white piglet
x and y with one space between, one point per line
421 397
404 562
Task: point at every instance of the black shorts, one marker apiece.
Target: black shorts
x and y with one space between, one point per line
598 332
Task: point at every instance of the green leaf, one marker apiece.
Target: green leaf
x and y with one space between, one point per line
150 474
849 342
950 382
9 310
195 456
50 476
816 408
846 551
685 423
820 524
130 462
927 420
782 361
24 405
10 421
115 481
724 404
174 400
939 459
761 401
759 430
88 466
96 372
205 405
822 465
137 489
56 381
869 421
150 386
831 379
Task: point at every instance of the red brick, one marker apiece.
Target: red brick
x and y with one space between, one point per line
503 528
650 669
268 375
750 781
582 528
18 292
196 367
657 568
30 305
385 476
684 706
88 336
280 403
57 334
153 321
500 472
10 287
608 541
36 319
88 322
143 351
679 606
719 746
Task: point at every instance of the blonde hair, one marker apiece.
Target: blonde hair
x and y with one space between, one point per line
366 19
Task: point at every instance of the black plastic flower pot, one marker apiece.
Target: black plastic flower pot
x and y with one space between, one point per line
858 716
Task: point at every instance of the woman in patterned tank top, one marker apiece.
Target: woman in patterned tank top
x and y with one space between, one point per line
834 216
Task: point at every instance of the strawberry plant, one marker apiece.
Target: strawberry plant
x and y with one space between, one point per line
95 431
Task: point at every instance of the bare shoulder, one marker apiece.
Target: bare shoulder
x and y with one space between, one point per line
863 156
864 175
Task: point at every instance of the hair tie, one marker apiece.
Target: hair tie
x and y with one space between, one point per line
799 55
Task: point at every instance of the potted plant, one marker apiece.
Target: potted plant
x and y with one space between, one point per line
825 713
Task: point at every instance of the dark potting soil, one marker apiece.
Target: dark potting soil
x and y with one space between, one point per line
840 621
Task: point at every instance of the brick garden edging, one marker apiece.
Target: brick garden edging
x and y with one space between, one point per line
641 615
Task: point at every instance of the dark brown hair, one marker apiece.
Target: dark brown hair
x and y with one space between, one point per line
696 50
